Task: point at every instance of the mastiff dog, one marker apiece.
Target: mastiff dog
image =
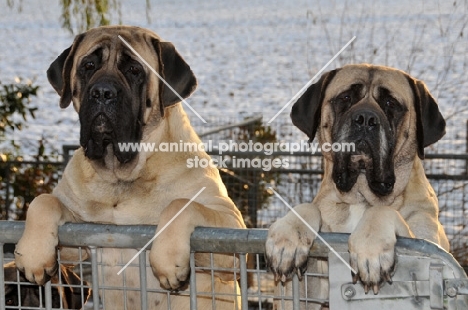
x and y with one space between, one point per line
377 191
66 290
120 100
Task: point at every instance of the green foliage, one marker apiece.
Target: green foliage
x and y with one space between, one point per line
81 15
15 100
21 181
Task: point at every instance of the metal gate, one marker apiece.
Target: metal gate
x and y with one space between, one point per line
426 276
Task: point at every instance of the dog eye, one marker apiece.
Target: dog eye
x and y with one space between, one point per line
89 65
134 70
9 302
390 102
344 98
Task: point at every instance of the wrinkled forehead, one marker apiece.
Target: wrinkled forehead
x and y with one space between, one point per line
373 79
111 43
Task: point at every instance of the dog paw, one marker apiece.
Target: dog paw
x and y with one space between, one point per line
287 248
170 261
372 256
36 258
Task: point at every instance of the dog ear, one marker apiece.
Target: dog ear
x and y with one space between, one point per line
430 124
71 289
59 72
176 72
306 111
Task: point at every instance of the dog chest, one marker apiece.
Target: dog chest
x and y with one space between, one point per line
355 214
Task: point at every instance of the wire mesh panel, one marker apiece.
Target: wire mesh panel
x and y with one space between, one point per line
426 277
448 175
68 289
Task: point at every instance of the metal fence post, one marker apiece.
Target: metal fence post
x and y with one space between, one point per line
48 295
295 291
143 283
243 281
2 280
193 283
95 277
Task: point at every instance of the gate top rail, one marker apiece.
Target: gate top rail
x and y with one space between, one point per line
216 240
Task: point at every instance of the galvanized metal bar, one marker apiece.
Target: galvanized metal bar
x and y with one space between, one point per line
295 292
81 277
237 241
282 293
143 282
48 295
213 296
257 272
235 291
193 283
205 239
243 281
59 274
168 296
41 294
2 279
124 285
95 277
436 283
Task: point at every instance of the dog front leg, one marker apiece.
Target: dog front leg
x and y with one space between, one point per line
35 253
372 246
170 253
289 241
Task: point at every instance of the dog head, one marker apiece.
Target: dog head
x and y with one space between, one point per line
65 295
388 115
116 94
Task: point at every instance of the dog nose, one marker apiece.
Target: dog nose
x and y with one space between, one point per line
103 92
366 119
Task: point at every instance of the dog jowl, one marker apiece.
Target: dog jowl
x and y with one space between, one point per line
109 92
369 118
